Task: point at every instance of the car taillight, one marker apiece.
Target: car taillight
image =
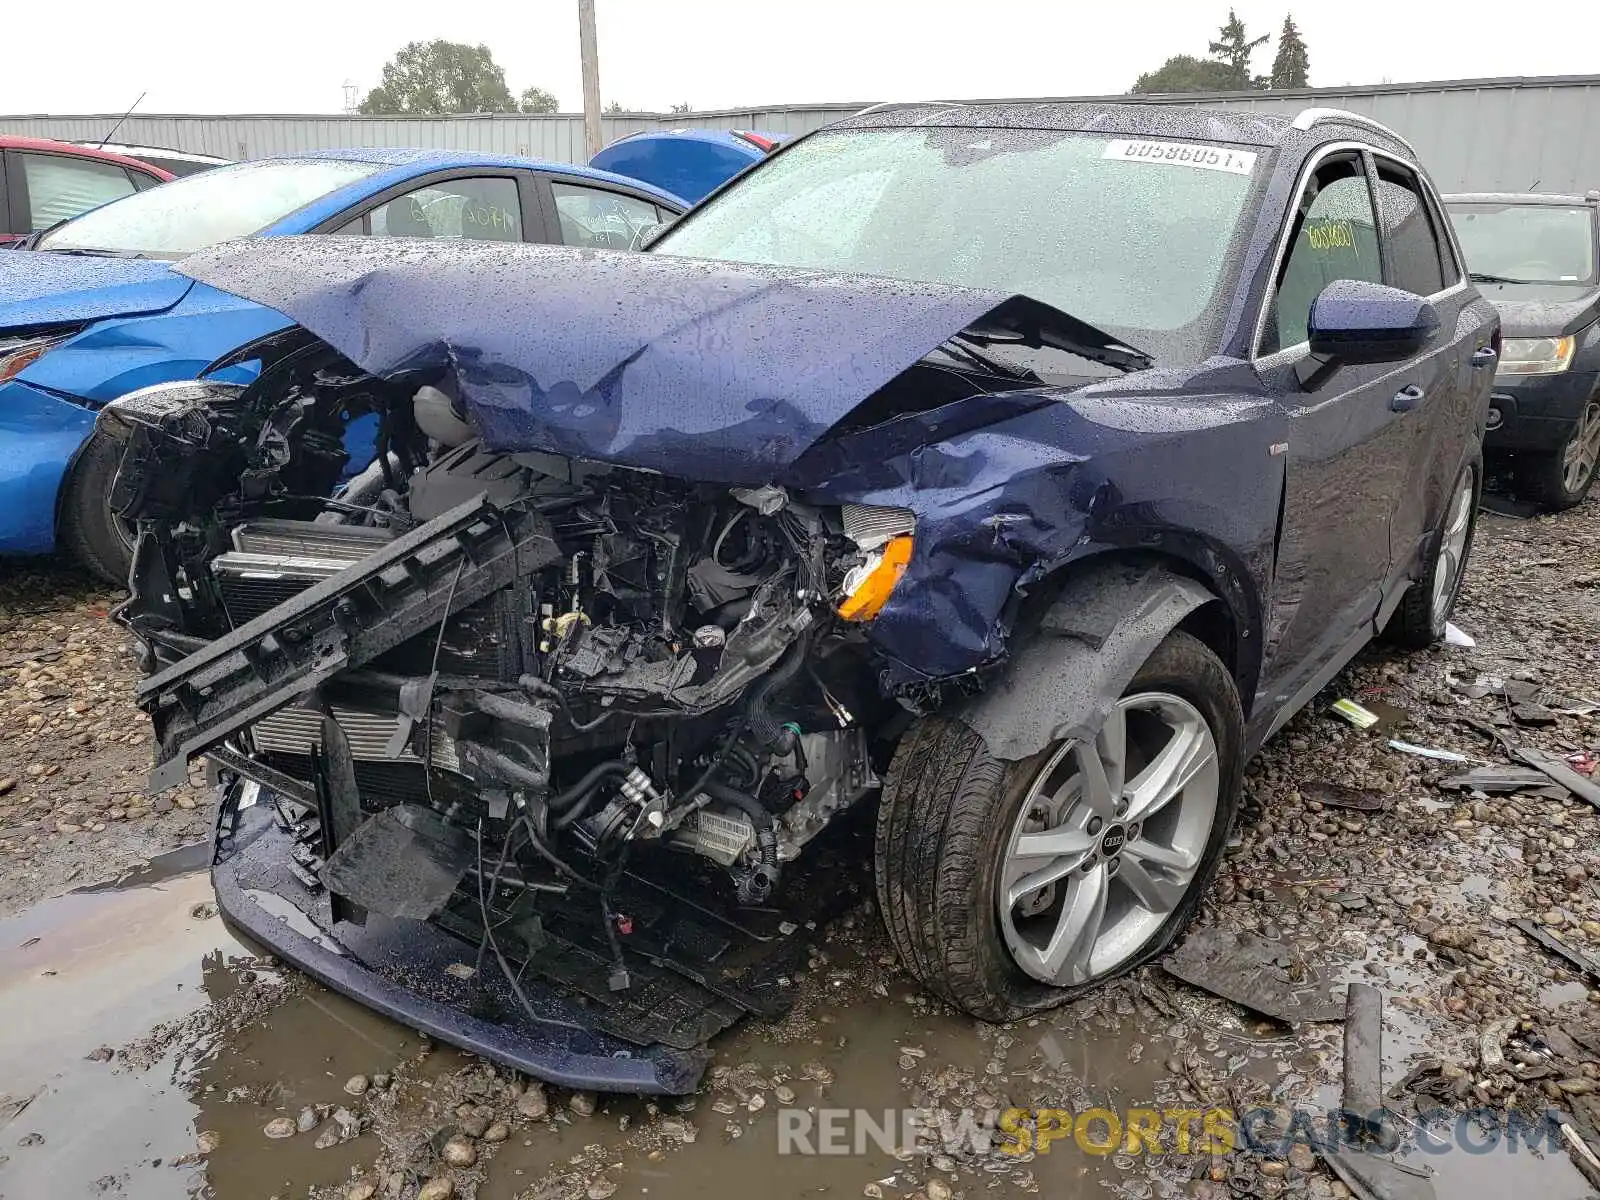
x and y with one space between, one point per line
763 144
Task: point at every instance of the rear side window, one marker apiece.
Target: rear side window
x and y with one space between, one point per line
606 220
1333 236
60 187
1415 261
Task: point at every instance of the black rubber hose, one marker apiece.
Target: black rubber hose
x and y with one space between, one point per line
565 800
768 730
743 801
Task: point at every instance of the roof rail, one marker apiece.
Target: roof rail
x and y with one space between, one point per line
1315 116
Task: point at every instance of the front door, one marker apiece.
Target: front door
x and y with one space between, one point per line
1347 450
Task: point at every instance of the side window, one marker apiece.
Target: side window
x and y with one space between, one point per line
605 220
487 209
1333 236
143 182
1414 261
60 187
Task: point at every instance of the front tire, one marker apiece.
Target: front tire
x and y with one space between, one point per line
1013 887
1561 480
90 531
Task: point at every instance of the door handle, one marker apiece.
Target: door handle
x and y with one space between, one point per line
1483 356
1406 399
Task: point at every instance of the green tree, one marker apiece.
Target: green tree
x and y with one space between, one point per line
685 107
1292 66
537 100
438 77
1233 50
1185 73
614 108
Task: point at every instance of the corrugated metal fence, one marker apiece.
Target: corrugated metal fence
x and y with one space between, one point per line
1485 134
556 138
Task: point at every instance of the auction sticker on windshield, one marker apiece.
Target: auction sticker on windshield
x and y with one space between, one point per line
1182 154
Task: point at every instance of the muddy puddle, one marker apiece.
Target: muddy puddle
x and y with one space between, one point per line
152 1050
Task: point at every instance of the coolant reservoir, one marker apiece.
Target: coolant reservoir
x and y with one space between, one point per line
437 417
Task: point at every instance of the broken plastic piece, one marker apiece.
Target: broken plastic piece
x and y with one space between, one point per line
1496 780
1582 962
1559 771
1336 795
1249 970
1427 751
1361 718
1455 637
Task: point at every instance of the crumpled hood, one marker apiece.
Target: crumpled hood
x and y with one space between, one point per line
717 371
41 288
1542 310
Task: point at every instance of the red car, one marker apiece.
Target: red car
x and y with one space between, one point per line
42 182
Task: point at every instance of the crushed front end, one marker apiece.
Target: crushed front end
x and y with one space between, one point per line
545 757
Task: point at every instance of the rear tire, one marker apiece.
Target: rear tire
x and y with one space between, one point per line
1420 620
1561 480
947 838
90 531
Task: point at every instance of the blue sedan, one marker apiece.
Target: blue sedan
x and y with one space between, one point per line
96 312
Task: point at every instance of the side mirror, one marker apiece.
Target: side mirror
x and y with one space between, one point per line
1353 321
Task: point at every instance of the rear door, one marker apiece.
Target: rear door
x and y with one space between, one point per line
1348 447
1418 257
601 217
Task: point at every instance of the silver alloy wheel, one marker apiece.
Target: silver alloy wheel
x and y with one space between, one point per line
1452 549
1109 839
1583 450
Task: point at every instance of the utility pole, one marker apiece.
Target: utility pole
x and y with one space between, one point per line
591 77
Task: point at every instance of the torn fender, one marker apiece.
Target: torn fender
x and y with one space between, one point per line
1089 645
719 371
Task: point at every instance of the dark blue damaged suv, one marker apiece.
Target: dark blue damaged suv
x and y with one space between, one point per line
1016 469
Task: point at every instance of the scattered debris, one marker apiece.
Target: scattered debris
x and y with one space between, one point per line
1361 718
1427 752
1556 946
1558 770
1495 781
1338 795
1363 1058
1264 975
1454 636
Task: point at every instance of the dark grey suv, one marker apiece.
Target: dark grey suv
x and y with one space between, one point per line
1534 257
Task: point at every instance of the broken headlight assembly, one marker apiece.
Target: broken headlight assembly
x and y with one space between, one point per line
884 537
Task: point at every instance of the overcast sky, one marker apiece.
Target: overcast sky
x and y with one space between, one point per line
295 56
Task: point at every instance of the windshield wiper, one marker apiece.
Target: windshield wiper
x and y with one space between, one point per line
961 348
1485 277
94 252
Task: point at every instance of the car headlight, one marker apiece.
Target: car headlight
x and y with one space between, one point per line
1536 356
883 535
18 354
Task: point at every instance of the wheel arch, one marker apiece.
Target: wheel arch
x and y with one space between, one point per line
1087 629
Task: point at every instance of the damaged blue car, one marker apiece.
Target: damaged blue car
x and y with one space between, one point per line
95 310
968 489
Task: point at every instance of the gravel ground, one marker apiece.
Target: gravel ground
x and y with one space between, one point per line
73 747
1416 897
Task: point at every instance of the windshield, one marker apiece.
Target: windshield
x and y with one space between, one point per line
201 210
1127 234
1527 243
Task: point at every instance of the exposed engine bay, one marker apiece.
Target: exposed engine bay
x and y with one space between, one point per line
585 718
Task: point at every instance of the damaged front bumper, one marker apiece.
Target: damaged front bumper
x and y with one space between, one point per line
401 969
